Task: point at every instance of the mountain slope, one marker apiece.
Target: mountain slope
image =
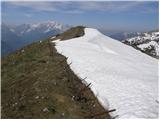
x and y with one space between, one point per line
121 77
36 82
147 43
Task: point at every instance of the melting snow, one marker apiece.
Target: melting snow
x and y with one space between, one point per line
121 77
53 37
56 41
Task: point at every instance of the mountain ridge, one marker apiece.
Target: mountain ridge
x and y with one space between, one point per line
147 42
37 82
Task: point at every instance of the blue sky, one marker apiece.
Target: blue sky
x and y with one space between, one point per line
109 16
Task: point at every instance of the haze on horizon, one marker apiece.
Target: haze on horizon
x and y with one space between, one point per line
107 16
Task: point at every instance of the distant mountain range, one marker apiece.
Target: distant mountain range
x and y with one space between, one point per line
9 40
147 42
14 37
123 35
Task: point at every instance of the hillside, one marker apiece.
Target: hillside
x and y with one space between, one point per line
121 77
36 82
147 43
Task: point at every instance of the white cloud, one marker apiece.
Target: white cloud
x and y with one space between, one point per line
28 15
73 7
39 6
73 11
108 6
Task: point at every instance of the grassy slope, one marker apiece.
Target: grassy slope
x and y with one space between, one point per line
36 85
71 33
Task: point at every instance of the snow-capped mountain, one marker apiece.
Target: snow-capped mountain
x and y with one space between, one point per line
147 42
39 30
121 77
124 35
43 27
27 33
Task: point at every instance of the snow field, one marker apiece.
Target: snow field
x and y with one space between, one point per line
121 77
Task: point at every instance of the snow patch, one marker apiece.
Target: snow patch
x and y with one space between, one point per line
55 41
53 37
121 77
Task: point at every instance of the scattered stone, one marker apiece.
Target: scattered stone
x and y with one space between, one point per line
63 114
14 104
73 98
37 97
64 79
13 62
42 97
94 105
45 110
55 83
22 51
